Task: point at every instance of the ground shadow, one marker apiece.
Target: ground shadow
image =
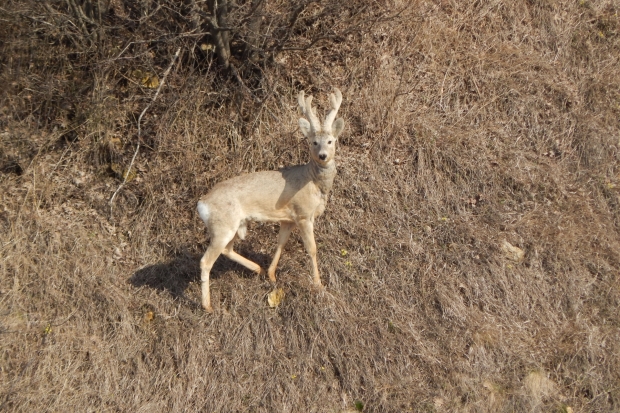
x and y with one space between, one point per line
175 275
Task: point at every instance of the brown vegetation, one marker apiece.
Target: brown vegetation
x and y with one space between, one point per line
470 249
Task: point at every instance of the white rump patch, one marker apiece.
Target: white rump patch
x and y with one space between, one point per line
203 212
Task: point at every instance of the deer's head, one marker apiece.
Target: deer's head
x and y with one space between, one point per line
322 139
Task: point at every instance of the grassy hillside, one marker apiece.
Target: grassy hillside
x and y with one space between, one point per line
470 248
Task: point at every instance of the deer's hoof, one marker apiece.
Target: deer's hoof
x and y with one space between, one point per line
318 286
208 308
272 276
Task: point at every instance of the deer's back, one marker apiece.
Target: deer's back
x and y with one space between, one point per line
283 195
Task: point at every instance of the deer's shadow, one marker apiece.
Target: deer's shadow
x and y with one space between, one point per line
175 275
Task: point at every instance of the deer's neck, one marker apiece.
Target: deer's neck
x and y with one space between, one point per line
323 176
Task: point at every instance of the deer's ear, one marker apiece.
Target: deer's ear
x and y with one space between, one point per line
304 125
337 127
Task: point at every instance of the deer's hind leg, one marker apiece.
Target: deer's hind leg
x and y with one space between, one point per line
231 254
216 247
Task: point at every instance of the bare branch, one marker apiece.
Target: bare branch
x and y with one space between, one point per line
163 80
219 19
293 19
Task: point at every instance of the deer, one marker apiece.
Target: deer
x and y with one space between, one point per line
293 197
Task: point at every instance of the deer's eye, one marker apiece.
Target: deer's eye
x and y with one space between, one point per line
329 142
315 143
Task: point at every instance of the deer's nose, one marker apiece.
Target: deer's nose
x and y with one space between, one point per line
322 156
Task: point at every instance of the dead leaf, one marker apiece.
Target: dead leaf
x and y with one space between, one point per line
146 79
275 297
150 80
115 142
125 174
513 253
118 254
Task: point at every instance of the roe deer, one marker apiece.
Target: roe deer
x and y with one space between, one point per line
293 196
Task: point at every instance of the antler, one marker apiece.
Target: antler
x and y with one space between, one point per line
335 100
306 107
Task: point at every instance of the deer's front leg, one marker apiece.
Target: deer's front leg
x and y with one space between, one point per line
306 228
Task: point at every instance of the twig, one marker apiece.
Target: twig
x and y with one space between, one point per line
235 72
161 84
80 17
292 20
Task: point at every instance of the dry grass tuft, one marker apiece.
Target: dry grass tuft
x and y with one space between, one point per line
470 248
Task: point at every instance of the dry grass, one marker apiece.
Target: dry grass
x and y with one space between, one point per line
469 124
